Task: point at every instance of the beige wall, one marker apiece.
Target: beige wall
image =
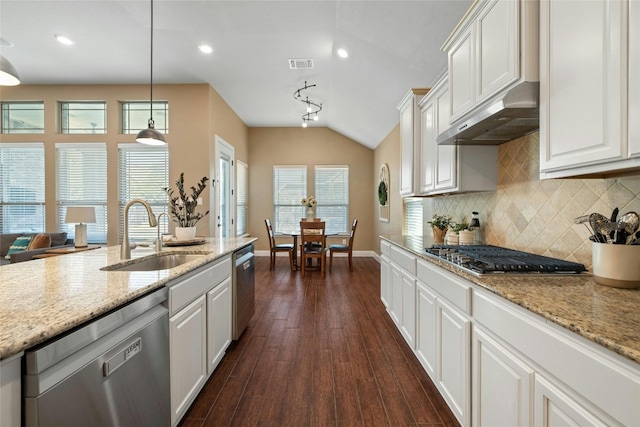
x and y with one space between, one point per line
310 146
196 114
388 151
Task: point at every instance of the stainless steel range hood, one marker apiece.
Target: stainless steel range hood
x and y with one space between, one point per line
513 115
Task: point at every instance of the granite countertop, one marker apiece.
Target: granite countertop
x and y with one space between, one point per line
43 298
607 316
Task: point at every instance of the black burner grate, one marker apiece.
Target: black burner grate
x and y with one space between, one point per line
492 259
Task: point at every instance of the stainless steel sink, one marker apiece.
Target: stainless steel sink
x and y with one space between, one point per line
158 262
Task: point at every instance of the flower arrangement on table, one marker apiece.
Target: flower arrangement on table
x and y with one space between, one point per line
309 202
182 208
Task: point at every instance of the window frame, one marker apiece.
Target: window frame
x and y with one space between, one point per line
160 108
242 198
335 224
5 108
292 208
65 118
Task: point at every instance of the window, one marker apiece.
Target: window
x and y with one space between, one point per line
289 188
242 196
135 116
83 117
23 117
143 174
412 217
22 187
332 194
81 180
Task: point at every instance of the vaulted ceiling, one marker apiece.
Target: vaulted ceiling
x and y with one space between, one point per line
393 46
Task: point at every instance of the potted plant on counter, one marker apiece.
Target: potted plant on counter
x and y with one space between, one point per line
182 208
463 231
439 225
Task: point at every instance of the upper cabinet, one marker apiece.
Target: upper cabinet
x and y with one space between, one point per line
589 87
450 168
410 141
494 46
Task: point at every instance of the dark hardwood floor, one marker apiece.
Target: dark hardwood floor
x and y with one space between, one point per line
319 352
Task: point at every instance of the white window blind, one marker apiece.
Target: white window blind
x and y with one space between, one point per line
242 197
22 187
81 180
289 188
332 194
143 174
412 224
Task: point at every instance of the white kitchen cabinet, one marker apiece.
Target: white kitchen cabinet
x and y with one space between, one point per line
403 290
426 328
450 168
502 384
454 353
554 408
385 274
11 391
396 295
200 307
494 46
410 141
188 355
589 72
634 79
219 323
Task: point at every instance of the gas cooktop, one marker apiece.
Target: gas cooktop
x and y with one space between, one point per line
488 259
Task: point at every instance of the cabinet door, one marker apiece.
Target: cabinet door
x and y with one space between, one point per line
385 281
634 78
10 391
502 385
555 408
429 146
447 155
408 317
406 137
396 295
454 356
219 307
426 328
188 356
461 75
581 83
497 44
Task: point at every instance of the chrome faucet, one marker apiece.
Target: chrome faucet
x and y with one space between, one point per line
158 240
125 247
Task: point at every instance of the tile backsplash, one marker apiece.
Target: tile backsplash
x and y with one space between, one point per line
535 215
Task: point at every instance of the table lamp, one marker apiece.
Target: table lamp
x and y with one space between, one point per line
81 216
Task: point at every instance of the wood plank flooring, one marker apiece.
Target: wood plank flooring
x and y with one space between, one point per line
319 352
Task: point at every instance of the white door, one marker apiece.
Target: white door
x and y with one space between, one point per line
223 202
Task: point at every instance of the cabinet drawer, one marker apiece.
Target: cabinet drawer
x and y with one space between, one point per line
404 259
448 286
197 283
385 248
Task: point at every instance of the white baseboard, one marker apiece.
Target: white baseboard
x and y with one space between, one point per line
363 254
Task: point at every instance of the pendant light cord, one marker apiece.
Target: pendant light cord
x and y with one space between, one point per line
151 66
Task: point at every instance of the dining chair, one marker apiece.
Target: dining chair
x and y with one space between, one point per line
335 247
274 247
312 245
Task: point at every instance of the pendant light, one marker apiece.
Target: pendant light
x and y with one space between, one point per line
150 136
8 74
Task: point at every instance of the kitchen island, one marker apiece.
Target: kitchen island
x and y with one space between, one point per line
509 349
42 299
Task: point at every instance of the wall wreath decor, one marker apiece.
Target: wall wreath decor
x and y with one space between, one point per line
383 193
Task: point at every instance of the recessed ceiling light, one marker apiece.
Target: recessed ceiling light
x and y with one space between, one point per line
204 48
64 39
342 53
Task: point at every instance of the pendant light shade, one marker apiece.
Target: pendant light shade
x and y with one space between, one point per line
8 74
150 136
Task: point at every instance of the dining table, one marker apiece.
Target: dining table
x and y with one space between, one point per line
295 235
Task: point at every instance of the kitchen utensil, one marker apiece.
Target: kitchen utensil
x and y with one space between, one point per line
584 219
614 215
601 226
629 222
634 239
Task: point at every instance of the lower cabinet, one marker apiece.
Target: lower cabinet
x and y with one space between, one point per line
200 322
11 391
426 328
502 386
188 355
385 273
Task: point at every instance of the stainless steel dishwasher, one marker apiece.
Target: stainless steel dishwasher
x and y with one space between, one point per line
244 299
113 371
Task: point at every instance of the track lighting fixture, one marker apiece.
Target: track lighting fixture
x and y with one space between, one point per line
312 108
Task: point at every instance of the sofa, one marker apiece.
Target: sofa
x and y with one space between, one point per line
58 240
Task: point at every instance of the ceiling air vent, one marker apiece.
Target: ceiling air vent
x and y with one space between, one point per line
300 64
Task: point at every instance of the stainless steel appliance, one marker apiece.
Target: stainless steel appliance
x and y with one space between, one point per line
113 371
244 300
487 259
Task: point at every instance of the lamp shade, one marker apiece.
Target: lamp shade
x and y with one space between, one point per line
80 214
150 136
8 74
